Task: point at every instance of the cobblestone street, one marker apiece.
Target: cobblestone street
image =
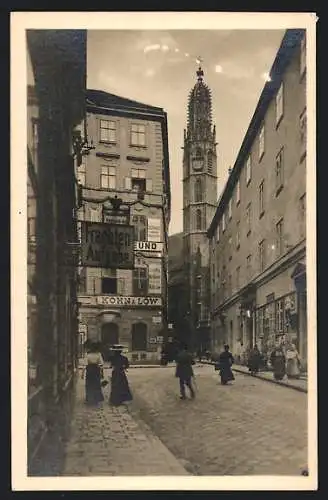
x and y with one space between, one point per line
250 427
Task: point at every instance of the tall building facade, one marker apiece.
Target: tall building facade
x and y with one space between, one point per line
258 234
128 168
55 106
199 204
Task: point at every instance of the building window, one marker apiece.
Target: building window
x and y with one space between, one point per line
198 219
238 193
229 284
218 233
81 174
31 223
140 281
279 171
138 180
210 162
248 170
261 143
279 104
249 266
230 248
249 218
302 211
138 135
108 177
140 227
279 233
303 125
303 56
109 285
238 234
238 277
35 142
280 316
261 199
230 208
139 337
107 131
223 222
260 322
262 255
198 190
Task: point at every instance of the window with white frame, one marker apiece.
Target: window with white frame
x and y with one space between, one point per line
303 124
262 255
140 281
138 135
138 179
107 131
238 193
303 56
223 222
248 170
302 215
230 208
81 174
140 227
238 234
279 236
261 142
108 177
279 171
261 199
249 266
280 104
238 278
249 218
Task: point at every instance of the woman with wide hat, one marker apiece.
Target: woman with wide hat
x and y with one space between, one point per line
120 390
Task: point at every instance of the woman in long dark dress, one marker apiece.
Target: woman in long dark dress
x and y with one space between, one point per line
254 361
224 365
278 361
93 374
120 390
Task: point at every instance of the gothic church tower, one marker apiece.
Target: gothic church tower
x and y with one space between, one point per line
199 203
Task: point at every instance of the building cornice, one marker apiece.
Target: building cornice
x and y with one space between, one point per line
291 41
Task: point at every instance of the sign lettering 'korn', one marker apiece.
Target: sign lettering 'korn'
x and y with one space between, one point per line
107 245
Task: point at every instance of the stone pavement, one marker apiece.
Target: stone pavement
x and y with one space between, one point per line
297 384
246 428
109 441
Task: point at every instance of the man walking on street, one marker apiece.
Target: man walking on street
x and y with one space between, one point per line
184 371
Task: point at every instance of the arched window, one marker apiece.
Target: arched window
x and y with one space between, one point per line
198 190
198 220
210 162
199 154
139 337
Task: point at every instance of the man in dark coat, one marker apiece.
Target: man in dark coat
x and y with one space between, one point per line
184 371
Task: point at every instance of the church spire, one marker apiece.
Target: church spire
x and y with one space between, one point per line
199 109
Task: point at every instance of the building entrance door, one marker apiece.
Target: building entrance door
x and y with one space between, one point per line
109 336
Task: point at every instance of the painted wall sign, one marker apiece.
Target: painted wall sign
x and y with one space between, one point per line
115 300
154 278
107 245
154 230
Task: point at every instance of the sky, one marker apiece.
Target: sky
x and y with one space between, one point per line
159 68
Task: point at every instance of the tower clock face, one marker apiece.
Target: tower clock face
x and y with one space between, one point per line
197 164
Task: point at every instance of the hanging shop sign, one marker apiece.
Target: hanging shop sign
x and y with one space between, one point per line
154 278
129 301
107 245
148 246
154 230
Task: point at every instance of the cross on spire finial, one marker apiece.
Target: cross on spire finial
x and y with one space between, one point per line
200 72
